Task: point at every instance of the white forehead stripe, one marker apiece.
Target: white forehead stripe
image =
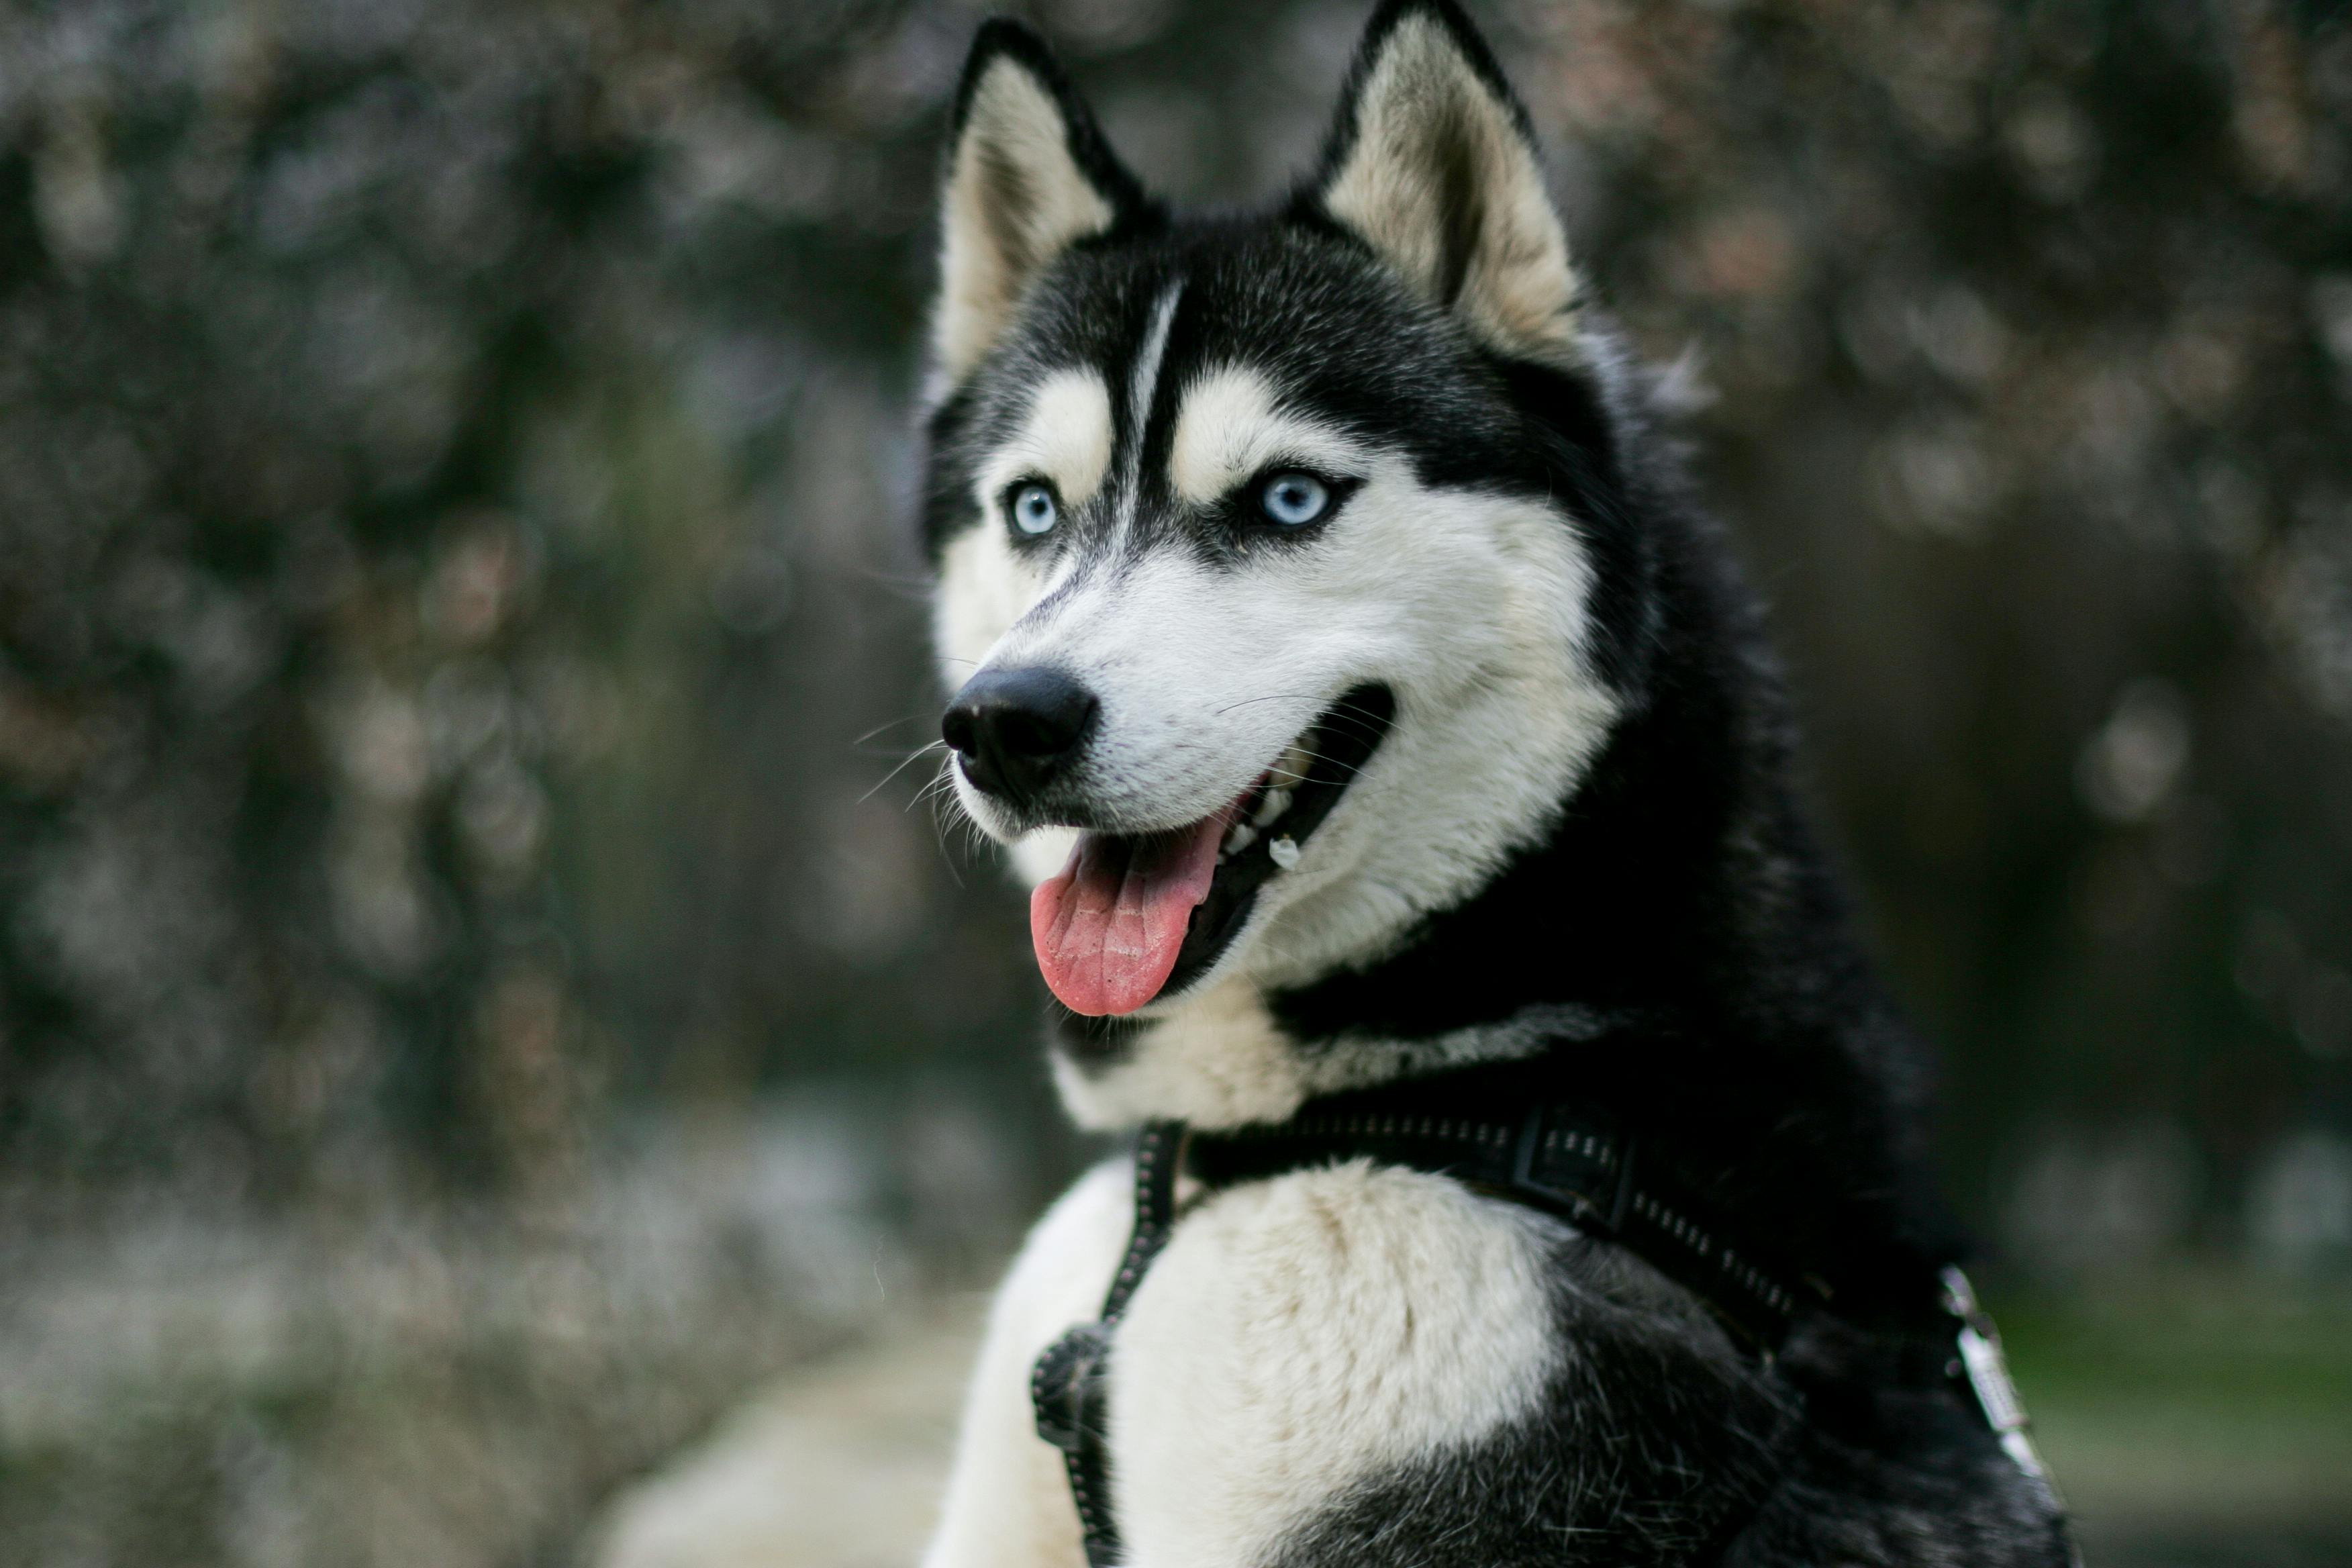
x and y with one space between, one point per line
1232 424
1065 438
1141 385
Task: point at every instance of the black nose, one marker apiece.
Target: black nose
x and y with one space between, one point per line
1015 730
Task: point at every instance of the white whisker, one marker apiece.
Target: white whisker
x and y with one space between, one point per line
893 773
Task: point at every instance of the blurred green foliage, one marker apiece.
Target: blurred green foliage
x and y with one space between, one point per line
2193 1404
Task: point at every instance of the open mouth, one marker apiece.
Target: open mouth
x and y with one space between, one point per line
1135 916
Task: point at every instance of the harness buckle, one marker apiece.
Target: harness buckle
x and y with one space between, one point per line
1987 1372
1611 1153
1622 1200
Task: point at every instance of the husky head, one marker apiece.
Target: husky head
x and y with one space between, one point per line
1284 578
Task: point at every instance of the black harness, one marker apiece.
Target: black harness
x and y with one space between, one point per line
1577 1162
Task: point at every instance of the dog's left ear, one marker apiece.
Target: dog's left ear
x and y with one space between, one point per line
1431 162
1028 176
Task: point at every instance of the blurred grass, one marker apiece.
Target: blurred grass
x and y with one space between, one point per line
2193 1415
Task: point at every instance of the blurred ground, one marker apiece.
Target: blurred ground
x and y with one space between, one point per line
462 1385
2191 1423
837 1466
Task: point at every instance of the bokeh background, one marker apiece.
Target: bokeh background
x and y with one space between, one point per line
476 998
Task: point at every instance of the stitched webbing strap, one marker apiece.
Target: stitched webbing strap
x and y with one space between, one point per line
1070 1386
1577 1161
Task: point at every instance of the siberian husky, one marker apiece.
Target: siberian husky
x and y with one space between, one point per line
1340 650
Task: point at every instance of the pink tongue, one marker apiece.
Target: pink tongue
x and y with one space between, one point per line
1109 926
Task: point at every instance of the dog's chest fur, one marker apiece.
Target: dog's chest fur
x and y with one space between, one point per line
1386 1314
1328 1351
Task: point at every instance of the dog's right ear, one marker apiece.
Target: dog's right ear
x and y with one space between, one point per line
1028 176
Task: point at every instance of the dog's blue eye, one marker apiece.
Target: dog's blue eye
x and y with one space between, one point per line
1294 500
1034 510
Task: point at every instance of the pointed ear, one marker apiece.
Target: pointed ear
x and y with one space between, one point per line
1028 176
1431 162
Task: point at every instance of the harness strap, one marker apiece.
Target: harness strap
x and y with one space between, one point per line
1069 1387
1577 1162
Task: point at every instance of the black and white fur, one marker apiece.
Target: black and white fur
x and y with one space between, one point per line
1575 841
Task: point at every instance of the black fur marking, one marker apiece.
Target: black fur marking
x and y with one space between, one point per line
1570 425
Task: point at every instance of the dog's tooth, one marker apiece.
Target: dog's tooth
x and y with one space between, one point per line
1284 851
1238 838
1275 803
